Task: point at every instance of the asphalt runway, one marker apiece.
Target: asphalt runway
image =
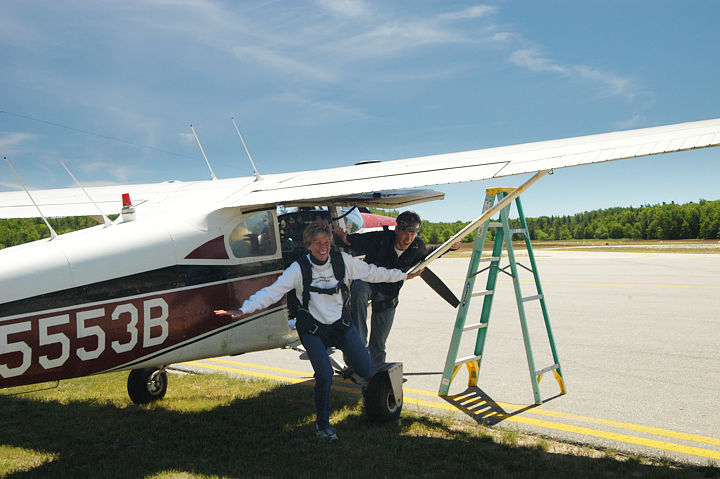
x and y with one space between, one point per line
637 335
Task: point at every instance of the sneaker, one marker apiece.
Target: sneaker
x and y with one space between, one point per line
328 433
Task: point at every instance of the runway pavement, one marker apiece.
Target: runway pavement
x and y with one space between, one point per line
637 336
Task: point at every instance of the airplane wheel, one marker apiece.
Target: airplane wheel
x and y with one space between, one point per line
379 399
145 387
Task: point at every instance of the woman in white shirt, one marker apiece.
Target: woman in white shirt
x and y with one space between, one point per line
324 316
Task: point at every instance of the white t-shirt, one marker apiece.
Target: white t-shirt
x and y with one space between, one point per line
325 308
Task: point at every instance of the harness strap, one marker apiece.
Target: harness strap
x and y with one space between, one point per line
338 266
331 334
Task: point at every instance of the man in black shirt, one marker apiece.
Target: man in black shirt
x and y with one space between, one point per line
401 249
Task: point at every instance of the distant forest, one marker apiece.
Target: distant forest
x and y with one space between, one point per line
23 230
669 221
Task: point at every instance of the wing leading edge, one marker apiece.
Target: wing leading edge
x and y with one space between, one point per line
484 164
350 183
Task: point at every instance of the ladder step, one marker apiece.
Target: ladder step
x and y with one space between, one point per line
489 258
518 231
495 224
549 368
532 298
470 327
467 359
483 292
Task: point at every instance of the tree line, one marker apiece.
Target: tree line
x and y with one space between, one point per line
23 230
667 221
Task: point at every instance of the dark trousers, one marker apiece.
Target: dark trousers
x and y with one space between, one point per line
381 320
354 351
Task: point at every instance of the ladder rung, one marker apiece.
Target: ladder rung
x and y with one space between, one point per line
532 298
470 327
518 231
466 359
549 368
495 224
483 292
490 258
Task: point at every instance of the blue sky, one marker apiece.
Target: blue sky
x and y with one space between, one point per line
318 84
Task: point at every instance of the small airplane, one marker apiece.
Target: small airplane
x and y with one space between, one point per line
138 293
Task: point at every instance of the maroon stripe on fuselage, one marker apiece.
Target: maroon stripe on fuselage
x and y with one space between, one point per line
213 249
170 277
96 337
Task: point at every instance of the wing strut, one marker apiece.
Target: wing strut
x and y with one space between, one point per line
53 234
106 220
255 171
212 173
479 220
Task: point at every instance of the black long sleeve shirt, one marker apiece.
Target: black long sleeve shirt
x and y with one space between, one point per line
379 249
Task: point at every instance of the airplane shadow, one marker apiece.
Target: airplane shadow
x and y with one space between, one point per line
268 434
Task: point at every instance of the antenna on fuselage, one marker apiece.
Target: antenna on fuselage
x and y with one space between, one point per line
53 234
255 171
212 173
106 220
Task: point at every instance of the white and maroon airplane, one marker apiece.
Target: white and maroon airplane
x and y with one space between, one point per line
139 294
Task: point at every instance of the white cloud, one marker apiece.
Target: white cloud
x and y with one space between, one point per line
533 59
469 13
388 36
11 142
615 84
12 186
631 123
345 8
283 63
394 38
320 110
187 138
121 173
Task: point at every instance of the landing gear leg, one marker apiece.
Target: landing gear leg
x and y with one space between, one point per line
383 396
147 385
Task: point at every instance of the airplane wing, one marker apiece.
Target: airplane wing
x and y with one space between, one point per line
352 184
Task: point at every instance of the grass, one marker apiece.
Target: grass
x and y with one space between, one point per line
212 426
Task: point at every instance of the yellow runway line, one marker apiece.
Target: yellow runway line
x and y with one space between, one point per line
663 445
246 372
586 431
608 422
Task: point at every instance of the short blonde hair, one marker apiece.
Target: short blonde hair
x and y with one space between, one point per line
314 229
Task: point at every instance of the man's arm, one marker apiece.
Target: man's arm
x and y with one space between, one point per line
360 242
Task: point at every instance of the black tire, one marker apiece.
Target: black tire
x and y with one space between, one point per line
143 388
379 399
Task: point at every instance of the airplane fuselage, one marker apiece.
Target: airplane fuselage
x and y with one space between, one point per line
137 294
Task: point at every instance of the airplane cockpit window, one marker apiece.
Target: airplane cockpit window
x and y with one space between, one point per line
292 221
254 236
353 219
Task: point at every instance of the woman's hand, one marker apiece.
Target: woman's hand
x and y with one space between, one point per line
233 313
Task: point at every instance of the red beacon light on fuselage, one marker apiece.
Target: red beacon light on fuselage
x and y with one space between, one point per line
128 210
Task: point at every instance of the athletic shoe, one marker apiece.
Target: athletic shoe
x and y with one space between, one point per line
328 433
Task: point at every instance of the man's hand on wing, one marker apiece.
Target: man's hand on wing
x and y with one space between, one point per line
415 273
342 234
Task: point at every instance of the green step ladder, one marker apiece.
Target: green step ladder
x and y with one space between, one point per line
503 236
